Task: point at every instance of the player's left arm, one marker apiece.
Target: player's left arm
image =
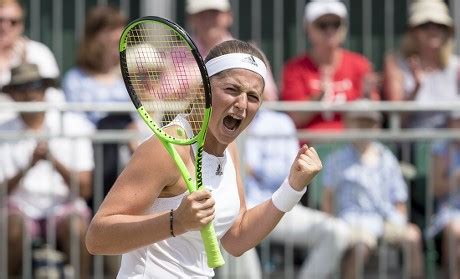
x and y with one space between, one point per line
253 225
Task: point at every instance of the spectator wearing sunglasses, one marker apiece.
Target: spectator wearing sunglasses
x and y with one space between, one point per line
424 70
326 72
47 181
16 49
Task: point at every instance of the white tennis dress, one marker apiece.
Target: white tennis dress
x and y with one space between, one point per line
184 256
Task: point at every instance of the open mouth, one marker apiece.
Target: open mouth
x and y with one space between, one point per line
232 123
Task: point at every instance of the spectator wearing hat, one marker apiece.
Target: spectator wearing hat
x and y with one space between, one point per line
445 223
47 181
210 22
15 49
424 70
327 72
364 186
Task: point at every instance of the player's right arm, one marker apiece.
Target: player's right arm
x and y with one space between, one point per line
123 222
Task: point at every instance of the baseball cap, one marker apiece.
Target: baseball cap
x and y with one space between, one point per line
317 8
196 6
423 11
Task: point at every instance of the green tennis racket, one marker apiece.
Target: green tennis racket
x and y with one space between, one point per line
168 84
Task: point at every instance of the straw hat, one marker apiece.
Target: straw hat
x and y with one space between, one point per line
25 74
424 11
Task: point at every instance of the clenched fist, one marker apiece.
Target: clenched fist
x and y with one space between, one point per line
195 211
305 167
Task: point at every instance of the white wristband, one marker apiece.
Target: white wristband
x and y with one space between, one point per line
285 198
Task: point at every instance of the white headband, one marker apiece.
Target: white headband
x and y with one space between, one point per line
236 60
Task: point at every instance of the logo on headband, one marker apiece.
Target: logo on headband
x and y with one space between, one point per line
250 59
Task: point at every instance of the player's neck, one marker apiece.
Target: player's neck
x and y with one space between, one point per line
213 146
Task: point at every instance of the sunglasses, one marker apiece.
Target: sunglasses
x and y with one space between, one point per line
11 21
429 25
324 25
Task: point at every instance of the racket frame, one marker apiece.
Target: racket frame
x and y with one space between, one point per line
208 234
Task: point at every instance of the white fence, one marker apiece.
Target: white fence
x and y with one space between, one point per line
395 133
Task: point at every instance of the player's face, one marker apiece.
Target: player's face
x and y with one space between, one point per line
236 97
11 24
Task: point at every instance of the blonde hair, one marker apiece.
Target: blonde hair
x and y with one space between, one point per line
410 47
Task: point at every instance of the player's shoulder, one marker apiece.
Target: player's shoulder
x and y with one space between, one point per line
154 149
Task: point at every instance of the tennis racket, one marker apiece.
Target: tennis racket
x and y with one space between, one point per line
168 84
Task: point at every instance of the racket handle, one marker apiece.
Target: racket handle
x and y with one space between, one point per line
211 246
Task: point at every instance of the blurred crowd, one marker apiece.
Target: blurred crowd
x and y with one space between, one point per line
365 199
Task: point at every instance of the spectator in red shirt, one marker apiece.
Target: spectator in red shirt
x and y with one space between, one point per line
327 72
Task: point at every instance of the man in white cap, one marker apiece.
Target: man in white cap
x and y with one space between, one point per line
210 22
327 72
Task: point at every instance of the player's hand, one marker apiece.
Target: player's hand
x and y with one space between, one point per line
40 153
195 211
305 167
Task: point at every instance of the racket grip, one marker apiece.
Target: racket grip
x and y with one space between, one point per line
211 246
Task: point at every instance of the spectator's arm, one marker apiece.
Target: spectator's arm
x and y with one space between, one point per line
40 152
83 178
392 80
13 182
440 175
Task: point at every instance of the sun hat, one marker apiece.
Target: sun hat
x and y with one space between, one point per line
196 6
424 11
317 8
26 74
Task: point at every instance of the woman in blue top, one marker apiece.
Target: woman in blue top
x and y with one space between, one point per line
446 181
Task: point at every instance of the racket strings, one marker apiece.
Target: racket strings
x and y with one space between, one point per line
164 75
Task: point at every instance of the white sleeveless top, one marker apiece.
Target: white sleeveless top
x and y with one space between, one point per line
184 256
437 86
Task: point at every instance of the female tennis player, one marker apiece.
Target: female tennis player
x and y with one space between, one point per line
151 218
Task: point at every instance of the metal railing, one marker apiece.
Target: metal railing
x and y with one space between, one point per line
395 133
